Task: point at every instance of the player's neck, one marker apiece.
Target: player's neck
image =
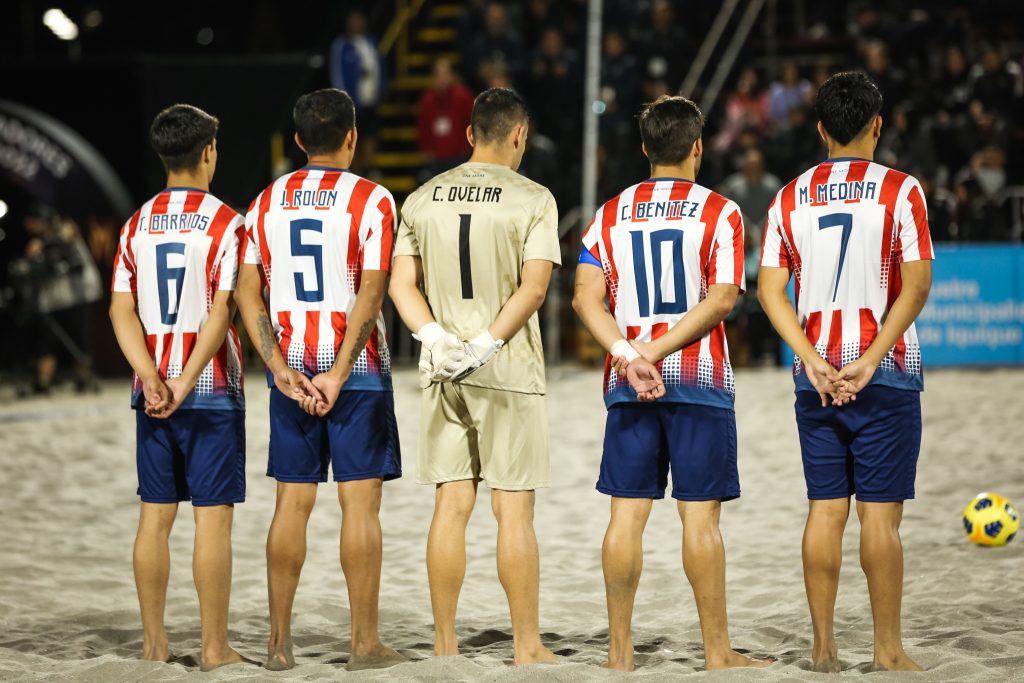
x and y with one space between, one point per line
339 161
491 155
855 150
684 171
186 179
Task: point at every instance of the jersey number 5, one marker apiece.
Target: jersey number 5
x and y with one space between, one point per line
315 251
168 276
835 220
662 303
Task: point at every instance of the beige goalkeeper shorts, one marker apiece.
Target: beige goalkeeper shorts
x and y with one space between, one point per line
470 432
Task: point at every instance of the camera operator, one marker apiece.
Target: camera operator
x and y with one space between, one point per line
59 282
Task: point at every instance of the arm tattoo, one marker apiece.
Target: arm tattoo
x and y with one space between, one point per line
361 340
267 338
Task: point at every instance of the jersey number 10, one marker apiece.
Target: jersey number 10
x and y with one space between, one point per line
676 302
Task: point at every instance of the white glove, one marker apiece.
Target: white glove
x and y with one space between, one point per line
473 355
438 343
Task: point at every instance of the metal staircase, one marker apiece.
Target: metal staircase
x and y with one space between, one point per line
422 32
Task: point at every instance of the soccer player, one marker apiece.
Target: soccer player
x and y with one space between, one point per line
320 240
668 255
171 309
855 235
483 240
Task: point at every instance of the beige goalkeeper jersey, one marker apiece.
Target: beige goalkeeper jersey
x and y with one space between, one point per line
474 227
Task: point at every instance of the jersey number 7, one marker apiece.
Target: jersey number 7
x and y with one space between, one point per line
835 220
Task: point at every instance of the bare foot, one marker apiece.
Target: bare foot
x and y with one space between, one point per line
537 654
220 659
619 665
379 656
156 653
826 661
279 656
897 662
734 659
446 646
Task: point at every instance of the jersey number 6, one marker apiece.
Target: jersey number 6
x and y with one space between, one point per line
169 276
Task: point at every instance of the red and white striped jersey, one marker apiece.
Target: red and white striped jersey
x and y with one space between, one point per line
175 253
661 244
313 232
843 228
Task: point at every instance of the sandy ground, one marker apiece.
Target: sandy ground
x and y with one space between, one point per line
67 516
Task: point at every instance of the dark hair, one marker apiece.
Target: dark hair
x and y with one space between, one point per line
669 126
323 118
846 103
180 133
496 112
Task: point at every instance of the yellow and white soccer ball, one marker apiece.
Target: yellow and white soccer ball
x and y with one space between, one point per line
990 519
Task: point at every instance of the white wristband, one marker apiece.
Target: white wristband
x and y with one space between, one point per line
485 338
430 334
623 349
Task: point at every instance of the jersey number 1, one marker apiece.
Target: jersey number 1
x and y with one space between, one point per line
465 264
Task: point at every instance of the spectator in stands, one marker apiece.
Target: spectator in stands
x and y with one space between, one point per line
554 89
666 49
889 79
997 82
794 145
444 114
745 107
357 68
788 93
498 46
953 87
620 96
906 141
752 188
470 25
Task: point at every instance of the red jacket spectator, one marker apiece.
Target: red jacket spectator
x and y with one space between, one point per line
444 113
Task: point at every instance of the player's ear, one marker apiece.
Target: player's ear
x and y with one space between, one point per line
698 148
822 133
469 135
643 148
351 138
876 128
299 142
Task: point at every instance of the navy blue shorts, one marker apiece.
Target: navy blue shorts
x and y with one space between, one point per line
868 447
358 439
195 454
642 441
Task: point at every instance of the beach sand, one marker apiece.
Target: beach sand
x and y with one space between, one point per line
68 512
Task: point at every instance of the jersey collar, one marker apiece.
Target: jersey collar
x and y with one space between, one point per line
678 180
835 159
308 167
183 188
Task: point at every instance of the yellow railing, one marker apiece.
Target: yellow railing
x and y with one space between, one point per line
397 34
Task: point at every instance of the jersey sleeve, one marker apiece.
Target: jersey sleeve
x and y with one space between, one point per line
591 251
726 263
380 237
124 279
251 248
541 242
227 267
406 243
915 239
774 253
